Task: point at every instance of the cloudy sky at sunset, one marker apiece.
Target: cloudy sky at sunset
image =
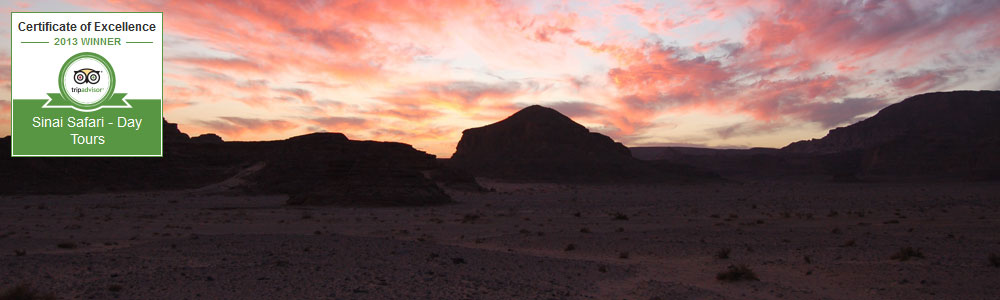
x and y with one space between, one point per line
708 73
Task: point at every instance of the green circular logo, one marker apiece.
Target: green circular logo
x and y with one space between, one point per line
86 80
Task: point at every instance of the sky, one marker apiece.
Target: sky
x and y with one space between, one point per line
722 74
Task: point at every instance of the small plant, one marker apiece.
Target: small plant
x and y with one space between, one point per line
995 260
570 247
723 253
585 230
849 243
66 245
737 273
907 253
24 292
618 216
623 255
21 252
115 288
470 218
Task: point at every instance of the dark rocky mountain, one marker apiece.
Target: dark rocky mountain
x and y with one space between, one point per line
960 118
945 135
319 168
540 144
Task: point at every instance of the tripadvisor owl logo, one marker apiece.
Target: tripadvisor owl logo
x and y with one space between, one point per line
87 83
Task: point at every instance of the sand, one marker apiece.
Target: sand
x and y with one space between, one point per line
802 240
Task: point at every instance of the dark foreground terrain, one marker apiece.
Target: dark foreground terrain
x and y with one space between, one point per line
524 241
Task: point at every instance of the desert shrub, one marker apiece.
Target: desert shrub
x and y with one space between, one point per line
620 216
737 273
24 292
907 253
585 230
849 243
623 255
570 247
66 245
723 253
470 218
995 260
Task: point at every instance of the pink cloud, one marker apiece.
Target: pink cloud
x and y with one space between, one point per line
340 124
239 127
923 81
384 62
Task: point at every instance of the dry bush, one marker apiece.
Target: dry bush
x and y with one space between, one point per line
24 292
907 253
737 273
723 253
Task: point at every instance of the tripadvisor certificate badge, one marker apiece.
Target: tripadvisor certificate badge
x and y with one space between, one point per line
86 84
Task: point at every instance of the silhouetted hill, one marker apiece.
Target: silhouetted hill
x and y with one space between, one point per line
319 168
960 117
946 135
540 144
209 138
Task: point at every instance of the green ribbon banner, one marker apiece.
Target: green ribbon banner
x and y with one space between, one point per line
116 100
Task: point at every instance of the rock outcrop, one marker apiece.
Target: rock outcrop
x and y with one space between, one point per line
171 134
208 138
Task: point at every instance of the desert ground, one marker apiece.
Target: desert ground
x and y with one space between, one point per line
802 240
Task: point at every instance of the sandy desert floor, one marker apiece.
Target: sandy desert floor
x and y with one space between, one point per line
524 241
